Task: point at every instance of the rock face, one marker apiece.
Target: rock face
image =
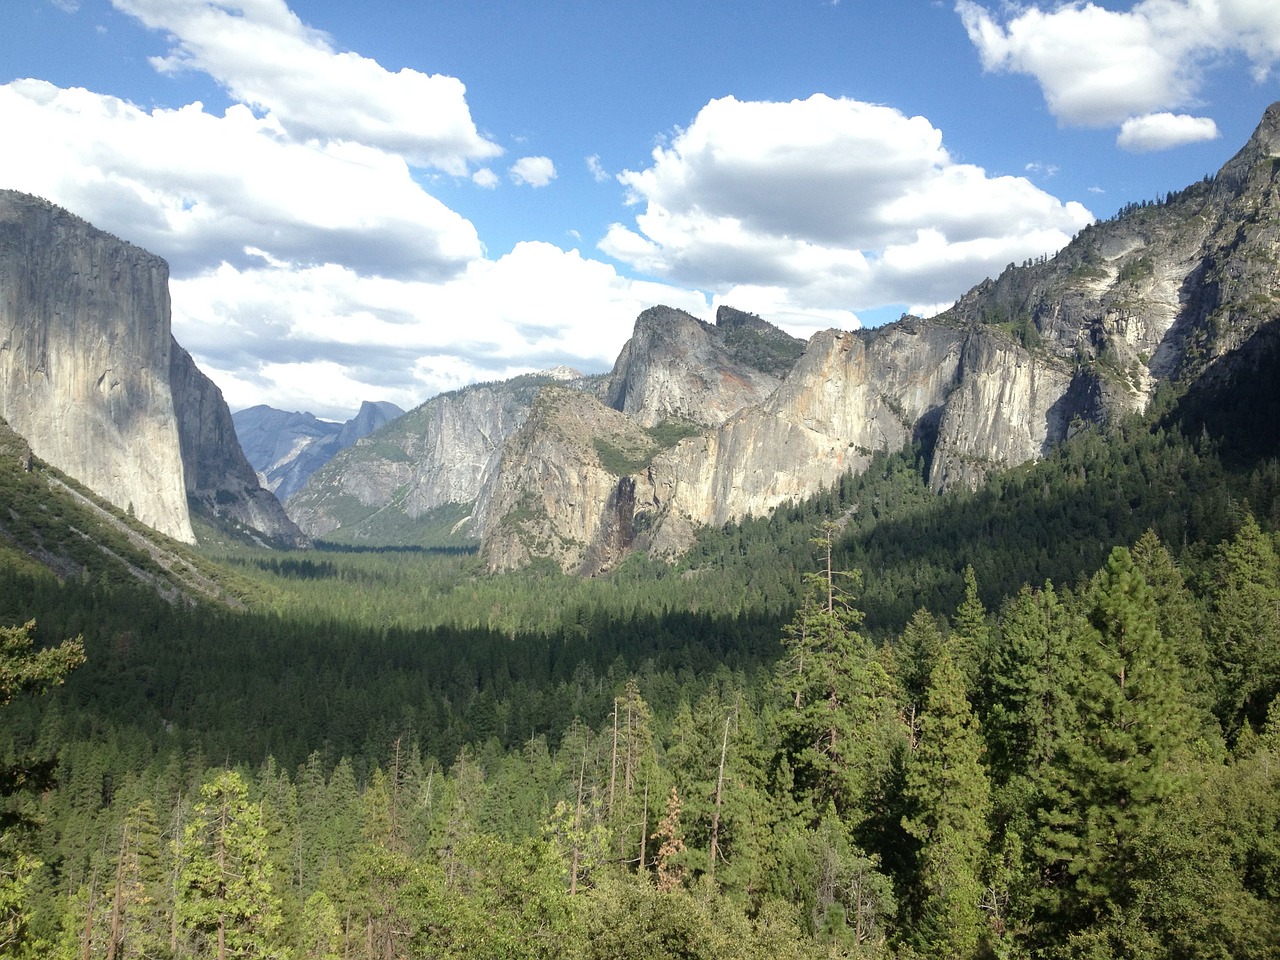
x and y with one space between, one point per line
85 357
678 368
563 488
701 424
90 375
438 454
1018 364
221 484
287 448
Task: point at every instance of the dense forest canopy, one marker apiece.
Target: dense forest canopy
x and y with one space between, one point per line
1032 720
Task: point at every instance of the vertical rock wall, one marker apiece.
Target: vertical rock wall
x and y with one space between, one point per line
84 359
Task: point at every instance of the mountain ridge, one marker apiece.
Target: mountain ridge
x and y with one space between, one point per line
1018 364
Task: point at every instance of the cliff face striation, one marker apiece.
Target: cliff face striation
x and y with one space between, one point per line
222 486
702 423
1164 291
85 356
677 368
437 455
90 375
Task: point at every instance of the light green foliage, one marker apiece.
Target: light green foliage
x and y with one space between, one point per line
24 669
226 906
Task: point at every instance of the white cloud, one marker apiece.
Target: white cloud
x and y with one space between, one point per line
199 188
268 59
1100 67
1160 131
485 178
598 172
533 171
326 337
847 205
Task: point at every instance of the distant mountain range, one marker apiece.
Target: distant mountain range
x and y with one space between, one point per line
696 424
286 448
702 424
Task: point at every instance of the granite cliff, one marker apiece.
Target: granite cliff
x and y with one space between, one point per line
1020 362
287 448
90 375
703 423
386 486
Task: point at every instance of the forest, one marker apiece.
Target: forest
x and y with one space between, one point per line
1034 720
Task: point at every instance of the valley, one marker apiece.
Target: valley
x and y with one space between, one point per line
956 637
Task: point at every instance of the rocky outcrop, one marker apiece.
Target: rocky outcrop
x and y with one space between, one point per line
90 375
287 448
678 368
221 484
563 490
85 358
703 423
439 453
1022 361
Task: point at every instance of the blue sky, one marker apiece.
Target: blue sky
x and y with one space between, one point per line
390 199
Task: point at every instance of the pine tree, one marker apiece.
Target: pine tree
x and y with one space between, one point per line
970 638
839 714
950 798
226 905
1108 782
1244 625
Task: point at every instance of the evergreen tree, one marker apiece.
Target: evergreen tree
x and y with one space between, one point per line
1245 625
950 800
226 905
838 716
970 639
1108 782
24 669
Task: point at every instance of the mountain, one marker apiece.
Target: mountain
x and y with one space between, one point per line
1162 293
392 486
700 424
91 377
286 448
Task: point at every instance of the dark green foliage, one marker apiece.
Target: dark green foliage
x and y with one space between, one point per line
436 762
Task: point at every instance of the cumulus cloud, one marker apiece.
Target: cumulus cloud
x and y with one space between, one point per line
845 205
325 338
1100 67
200 188
268 59
486 178
533 171
1160 131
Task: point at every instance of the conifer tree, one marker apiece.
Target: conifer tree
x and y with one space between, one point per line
970 638
226 905
1245 625
1108 782
838 715
950 798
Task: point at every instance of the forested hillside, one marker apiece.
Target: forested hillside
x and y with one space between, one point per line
1033 720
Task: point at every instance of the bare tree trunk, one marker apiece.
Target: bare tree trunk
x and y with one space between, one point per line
715 817
117 899
577 827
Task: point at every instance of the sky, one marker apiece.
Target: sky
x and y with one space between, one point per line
390 199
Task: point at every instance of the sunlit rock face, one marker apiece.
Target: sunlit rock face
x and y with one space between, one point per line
441 452
91 376
700 424
85 356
